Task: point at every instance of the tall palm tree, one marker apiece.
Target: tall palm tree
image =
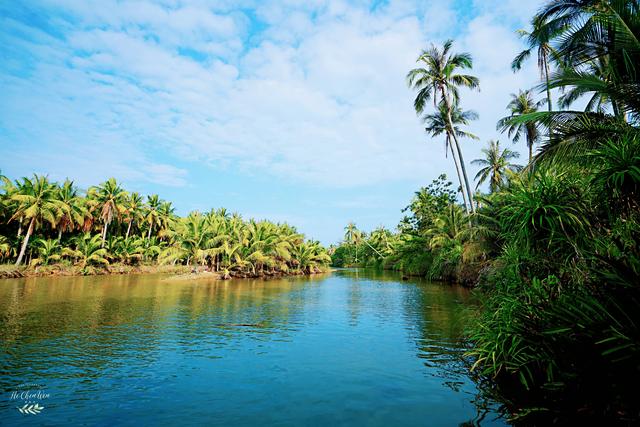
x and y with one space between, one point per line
496 166
72 209
521 103
133 211
166 214
152 216
437 124
438 78
37 203
110 197
352 236
539 39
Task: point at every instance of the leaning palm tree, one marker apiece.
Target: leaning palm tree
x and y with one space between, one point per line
521 104
110 198
37 203
495 166
438 78
437 124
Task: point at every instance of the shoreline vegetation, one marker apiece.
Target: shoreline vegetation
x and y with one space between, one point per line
552 248
49 228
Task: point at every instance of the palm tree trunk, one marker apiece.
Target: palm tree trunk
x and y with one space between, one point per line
149 234
19 228
60 234
104 233
458 149
25 242
128 230
455 160
546 75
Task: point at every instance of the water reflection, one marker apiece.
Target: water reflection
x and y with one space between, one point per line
349 348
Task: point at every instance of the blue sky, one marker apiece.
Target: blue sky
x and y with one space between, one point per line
289 110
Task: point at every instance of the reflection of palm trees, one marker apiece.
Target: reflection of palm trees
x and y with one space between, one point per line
81 307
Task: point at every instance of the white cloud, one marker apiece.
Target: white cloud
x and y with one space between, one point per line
317 96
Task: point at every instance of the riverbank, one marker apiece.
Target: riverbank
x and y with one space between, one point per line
181 272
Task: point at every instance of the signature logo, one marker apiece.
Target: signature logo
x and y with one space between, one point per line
33 409
28 397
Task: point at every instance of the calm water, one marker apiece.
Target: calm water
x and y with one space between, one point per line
350 348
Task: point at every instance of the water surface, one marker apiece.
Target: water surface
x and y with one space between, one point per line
348 348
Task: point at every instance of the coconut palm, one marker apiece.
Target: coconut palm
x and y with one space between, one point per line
598 49
110 198
87 250
352 236
133 211
129 250
48 251
520 104
437 124
5 247
439 79
152 215
539 39
36 202
166 214
495 166
72 208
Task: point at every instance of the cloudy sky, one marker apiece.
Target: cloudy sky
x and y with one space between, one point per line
290 110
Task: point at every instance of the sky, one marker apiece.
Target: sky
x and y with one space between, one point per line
293 111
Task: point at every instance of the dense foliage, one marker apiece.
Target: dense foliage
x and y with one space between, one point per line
552 248
44 223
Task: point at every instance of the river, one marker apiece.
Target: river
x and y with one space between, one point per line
353 347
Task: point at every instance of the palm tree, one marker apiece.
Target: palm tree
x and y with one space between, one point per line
437 124
5 247
521 104
538 39
496 165
133 211
597 50
88 250
152 217
48 251
110 197
439 78
352 236
72 209
36 202
166 213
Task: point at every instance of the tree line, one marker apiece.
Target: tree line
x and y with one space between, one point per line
45 223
